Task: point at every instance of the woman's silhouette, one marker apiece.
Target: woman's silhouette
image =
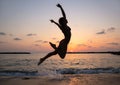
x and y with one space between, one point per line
62 47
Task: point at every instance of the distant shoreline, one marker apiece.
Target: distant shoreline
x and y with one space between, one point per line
109 52
15 53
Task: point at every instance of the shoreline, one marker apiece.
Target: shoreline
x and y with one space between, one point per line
67 79
108 52
15 52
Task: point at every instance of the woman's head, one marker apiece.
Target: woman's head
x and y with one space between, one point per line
63 21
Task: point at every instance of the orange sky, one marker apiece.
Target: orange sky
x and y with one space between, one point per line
25 25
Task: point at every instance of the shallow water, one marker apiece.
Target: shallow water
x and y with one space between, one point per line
26 64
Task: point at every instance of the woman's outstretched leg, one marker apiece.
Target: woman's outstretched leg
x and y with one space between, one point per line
47 56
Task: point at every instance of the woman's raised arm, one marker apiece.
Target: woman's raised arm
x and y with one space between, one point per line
63 13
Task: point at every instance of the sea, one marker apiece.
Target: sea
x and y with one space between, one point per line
26 64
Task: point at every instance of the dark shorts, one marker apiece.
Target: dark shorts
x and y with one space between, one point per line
62 49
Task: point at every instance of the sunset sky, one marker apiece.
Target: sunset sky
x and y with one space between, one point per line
25 25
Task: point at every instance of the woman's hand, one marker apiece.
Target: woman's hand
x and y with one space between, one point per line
52 21
58 5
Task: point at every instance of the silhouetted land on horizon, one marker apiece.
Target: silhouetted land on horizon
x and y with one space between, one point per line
110 52
15 53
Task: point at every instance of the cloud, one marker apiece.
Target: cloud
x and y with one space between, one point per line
41 41
101 32
38 41
89 46
45 41
111 29
1 42
17 39
2 33
113 43
83 45
31 34
54 38
36 45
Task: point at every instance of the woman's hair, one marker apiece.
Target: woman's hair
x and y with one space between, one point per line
63 21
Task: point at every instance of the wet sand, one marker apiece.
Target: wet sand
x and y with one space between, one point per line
70 79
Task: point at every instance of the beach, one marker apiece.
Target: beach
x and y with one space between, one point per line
70 79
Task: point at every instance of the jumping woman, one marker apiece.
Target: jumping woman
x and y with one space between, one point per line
62 47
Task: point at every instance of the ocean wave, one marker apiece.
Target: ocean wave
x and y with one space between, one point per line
59 71
17 73
88 70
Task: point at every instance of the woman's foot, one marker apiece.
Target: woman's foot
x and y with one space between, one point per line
41 60
52 45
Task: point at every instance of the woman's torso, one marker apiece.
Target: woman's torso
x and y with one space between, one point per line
67 33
